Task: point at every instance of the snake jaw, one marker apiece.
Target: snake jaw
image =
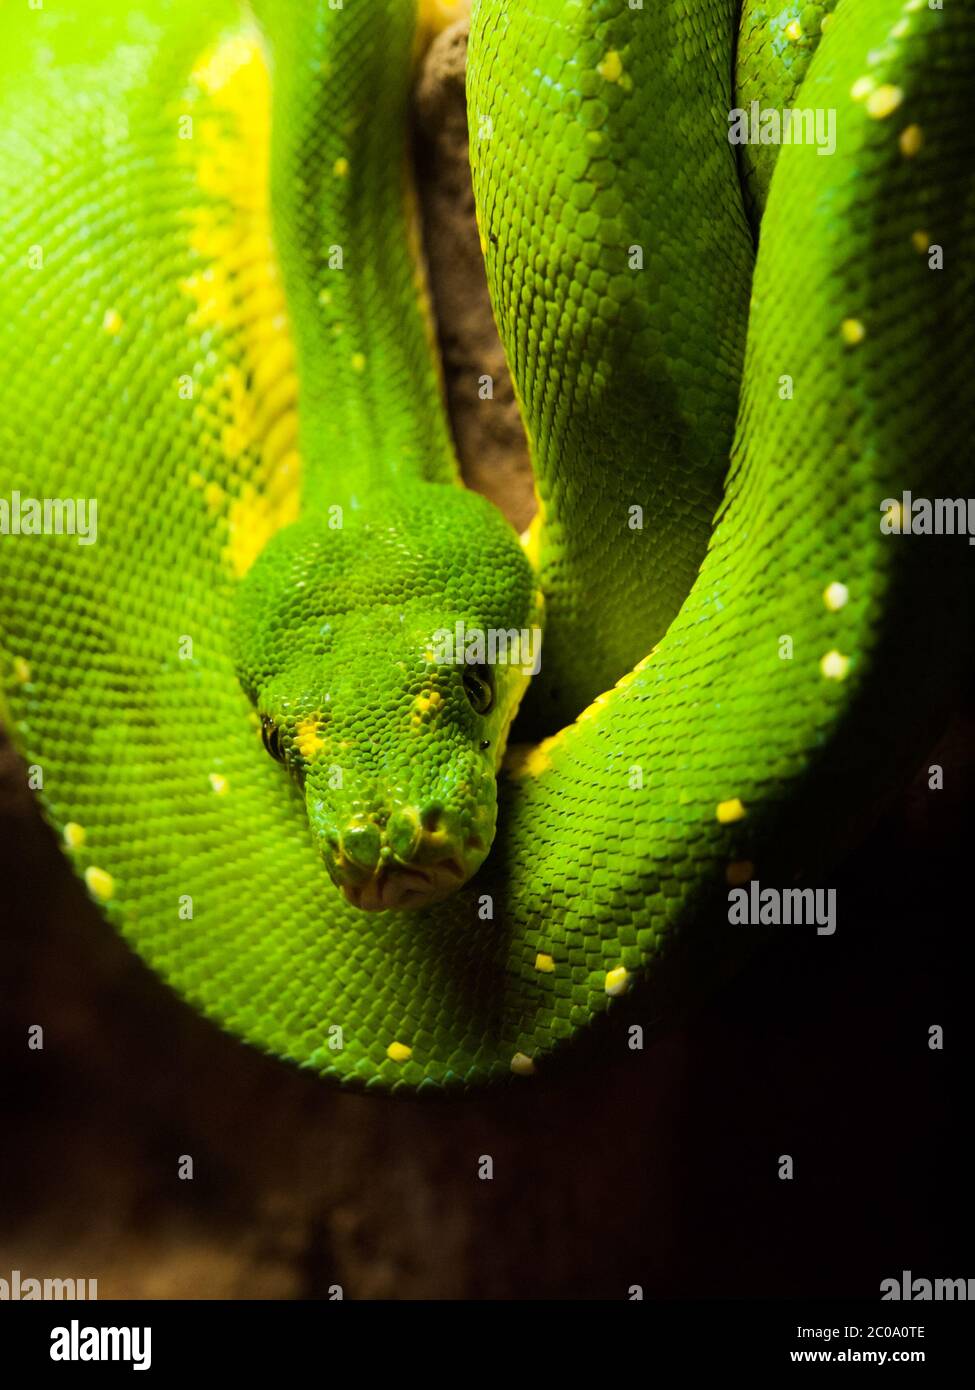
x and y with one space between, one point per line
380 868
404 888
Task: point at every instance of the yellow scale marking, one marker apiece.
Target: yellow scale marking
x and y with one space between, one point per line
237 288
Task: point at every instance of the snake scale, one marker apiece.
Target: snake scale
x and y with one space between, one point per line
215 328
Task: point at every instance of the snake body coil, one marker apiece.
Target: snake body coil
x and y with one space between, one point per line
214 327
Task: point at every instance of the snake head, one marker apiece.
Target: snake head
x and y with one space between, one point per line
387 659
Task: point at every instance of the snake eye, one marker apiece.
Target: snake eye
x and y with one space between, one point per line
271 736
478 688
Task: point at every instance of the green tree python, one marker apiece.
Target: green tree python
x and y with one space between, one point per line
729 355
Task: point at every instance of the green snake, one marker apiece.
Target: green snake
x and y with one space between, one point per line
729 358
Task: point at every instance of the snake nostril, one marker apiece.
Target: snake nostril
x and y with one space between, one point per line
362 845
403 832
431 817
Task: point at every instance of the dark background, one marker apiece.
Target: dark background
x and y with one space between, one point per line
656 1168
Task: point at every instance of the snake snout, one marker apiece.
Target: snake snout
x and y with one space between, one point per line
404 860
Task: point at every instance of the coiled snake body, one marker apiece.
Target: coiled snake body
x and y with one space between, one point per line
214 326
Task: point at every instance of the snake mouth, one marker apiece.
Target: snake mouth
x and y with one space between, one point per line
401 887
403 861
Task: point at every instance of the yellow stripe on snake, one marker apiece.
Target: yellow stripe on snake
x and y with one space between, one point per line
218 371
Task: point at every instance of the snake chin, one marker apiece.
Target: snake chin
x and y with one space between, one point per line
397 887
404 888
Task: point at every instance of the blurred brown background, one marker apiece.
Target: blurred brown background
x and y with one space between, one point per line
656 1168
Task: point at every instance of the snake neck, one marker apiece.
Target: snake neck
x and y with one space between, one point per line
347 235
